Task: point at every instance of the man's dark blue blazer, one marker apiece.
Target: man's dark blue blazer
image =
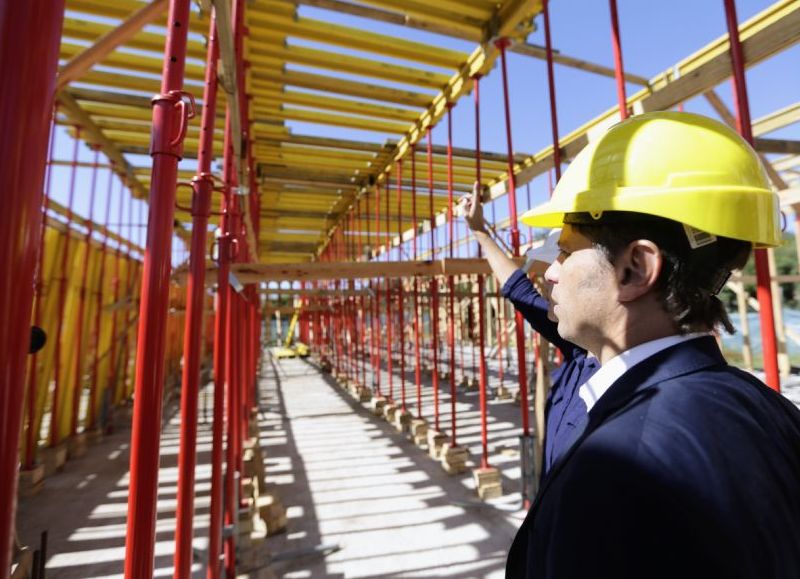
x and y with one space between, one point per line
686 468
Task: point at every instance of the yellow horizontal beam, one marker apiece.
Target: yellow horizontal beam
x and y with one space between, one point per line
349 64
356 38
275 99
122 9
266 81
88 30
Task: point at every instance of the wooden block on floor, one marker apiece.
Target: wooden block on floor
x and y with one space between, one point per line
389 411
436 440
488 482
22 564
402 420
502 393
377 404
364 394
76 446
53 459
453 458
31 481
273 513
95 435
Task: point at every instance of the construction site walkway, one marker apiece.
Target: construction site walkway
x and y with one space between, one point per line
377 505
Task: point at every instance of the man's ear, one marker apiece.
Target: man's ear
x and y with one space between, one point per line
638 267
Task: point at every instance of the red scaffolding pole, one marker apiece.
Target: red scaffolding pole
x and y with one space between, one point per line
434 291
202 185
502 44
30 34
451 287
481 309
763 292
619 69
170 110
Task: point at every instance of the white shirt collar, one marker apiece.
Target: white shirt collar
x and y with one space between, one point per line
612 370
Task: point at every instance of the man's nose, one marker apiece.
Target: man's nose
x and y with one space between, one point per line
551 273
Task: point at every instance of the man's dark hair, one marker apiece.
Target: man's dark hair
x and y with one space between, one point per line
690 277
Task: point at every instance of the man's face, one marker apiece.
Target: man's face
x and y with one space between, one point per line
583 291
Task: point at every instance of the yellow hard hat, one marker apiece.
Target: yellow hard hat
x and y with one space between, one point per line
680 166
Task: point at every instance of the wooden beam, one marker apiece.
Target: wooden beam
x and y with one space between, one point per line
540 53
777 120
106 44
248 273
784 146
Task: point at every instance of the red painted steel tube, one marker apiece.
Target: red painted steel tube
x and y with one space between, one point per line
169 112
400 305
619 70
376 315
55 406
763 292
30 34
91 423
551 85
202 185
32 433
417 356
451 334
390 377
481 313
512 214
434 289
112 372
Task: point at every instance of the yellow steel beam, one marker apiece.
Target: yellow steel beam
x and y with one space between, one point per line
106 44
89 30
133 62
474 9
346 63
270 80
276 98
320 118
355 38
463 20
122 9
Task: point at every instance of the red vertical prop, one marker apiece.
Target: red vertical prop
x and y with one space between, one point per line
30 34
415 226
512 214
202 186
481 313
763 292
170 119
451 333
619 70
434 289
400 307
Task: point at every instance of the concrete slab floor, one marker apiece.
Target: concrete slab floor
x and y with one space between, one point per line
350 479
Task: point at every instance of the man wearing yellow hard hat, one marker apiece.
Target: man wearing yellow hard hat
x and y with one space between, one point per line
684 466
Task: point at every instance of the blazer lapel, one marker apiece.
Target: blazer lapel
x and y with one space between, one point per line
683 358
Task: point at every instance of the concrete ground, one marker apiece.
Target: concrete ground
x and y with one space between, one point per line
351 483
